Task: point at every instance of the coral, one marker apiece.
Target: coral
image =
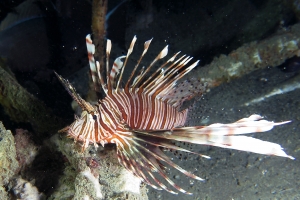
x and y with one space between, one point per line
272 51
22 106
3 193
86 184
129 182
65 188
24 190
26 150
93 174
8 162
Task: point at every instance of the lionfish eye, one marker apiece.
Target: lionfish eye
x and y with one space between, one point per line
95 117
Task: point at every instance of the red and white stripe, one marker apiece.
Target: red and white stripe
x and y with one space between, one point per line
144 117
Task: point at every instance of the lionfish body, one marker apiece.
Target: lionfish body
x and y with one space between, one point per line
144 117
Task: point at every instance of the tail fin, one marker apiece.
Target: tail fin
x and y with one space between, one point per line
228 135
140 152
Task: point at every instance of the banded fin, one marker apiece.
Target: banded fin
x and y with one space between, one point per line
126 59
140 150
146 47
161 84
115 70
143 157
94 66
161 55
225 135
184 91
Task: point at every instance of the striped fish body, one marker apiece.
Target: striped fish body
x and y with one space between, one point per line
120 108
144 117
138 109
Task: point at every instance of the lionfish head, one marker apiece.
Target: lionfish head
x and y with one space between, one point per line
83 128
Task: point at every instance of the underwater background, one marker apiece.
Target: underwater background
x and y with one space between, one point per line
249 56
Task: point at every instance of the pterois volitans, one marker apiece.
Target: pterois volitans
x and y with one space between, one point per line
144 117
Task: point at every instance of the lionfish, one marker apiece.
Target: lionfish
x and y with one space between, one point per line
143 118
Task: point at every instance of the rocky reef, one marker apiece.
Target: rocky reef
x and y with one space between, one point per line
240 44
8 160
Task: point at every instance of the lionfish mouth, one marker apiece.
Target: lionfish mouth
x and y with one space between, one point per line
145 116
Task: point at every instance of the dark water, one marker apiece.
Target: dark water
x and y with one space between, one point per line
52 37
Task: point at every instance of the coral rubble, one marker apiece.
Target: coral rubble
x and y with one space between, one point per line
272 51
24 190
8 161
94 174
22 106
